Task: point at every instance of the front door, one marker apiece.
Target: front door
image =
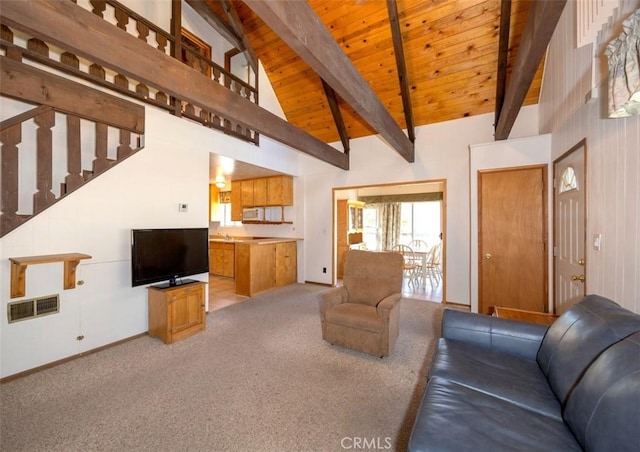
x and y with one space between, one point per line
512 239
569 228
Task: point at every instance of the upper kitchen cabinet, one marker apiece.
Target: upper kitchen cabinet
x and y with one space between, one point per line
236 201
261 192
279 191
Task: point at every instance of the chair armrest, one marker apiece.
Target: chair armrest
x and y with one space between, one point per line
388 303
332 297
517 338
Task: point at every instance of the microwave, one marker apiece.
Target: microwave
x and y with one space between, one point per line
253 214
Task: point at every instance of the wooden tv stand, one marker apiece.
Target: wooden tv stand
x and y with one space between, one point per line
177 312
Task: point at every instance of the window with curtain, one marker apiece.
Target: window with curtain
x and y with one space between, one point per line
389 224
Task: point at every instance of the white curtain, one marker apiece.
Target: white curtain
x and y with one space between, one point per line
624 69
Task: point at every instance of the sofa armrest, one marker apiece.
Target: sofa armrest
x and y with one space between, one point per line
388 303
517 338
332 297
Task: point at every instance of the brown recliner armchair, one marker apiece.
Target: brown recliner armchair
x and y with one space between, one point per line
364 313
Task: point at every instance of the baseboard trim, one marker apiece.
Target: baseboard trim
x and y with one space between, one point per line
318 283
67 359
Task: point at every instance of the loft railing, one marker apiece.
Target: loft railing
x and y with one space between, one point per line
126 19
85 157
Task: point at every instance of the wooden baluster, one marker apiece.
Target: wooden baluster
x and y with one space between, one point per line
122 18
215 120
124 149
189 110
161 40
122 81
162 98
38 46
10 137
216 75
44 197
70 60
141 88
73 178
98 7
6 34
143 31
97 71
204 115
101 162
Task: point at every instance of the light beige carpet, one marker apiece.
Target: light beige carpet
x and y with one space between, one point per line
259 378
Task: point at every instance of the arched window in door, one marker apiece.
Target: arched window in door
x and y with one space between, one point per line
568 180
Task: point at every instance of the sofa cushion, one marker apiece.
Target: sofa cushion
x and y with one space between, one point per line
371 276
579 336
353 315
496 373
458 418
603 410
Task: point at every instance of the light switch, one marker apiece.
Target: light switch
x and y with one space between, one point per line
597 241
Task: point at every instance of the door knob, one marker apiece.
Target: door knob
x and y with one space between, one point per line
577 278
581 262
487 256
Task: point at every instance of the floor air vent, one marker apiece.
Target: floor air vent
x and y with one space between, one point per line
35 307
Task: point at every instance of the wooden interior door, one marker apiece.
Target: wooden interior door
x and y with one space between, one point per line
569 229
512 239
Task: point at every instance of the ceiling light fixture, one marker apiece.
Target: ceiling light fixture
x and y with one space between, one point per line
220 183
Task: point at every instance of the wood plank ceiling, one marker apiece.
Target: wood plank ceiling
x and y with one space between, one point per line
450 49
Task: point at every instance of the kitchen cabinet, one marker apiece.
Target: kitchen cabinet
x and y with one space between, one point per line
246 187
260 192
267 192
286 263
236 201
349 229
261 266
222 259
279 191
177 312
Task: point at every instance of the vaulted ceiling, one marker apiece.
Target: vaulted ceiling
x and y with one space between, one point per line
451 55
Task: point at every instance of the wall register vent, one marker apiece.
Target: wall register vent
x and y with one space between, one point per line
35 307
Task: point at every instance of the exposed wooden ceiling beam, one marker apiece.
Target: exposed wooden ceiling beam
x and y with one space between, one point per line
35 86
542 19
402 68
75 29
298 26
337 115
200 7
236 24
503 54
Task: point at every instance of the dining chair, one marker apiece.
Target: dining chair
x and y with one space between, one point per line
419 245
412 266
434 264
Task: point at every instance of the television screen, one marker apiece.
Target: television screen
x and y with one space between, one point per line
168 254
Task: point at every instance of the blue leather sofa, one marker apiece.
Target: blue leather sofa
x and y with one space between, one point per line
503 385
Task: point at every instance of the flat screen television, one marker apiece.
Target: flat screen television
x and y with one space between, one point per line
168 255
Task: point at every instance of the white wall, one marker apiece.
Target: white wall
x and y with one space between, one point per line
528 151
143 191
442 152
612 159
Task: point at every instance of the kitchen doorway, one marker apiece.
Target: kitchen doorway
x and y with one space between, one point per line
401 213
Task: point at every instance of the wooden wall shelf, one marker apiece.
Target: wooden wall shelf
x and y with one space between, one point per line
19 269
